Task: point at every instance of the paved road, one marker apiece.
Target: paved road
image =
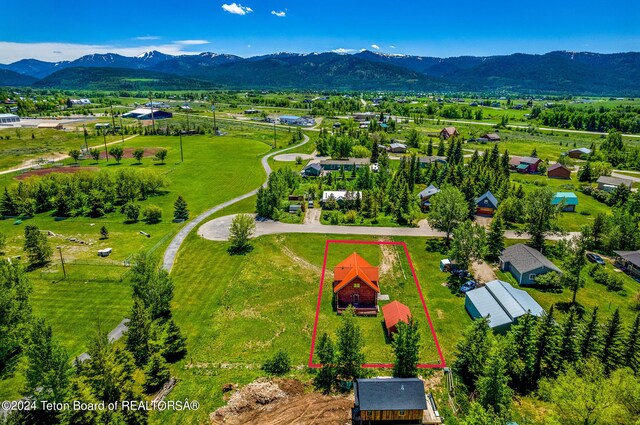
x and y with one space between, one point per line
218 229
174 246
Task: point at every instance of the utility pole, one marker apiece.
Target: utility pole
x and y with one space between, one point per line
64 271
113 120
275 144
153 121
121 129
181 156
86 145
215 127
104 136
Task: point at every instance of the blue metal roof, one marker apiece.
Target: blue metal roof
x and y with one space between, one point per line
506 300
569 198
289 117
488 196
487 305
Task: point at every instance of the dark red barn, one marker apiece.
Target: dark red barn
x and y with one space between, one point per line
355 282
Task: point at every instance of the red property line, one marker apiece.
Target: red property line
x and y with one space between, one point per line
311 364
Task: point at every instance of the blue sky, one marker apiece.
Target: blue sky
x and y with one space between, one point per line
67 29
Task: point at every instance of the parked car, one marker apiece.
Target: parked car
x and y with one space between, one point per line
310 204
468 285
462 274
595 258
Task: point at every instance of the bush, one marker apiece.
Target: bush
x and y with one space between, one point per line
279 364
350 216
334 218
152 214
131 211
603 277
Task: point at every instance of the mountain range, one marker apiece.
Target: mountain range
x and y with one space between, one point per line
558 72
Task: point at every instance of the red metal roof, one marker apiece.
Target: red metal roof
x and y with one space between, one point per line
395 312
354 266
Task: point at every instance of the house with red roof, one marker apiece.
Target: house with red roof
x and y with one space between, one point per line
355 283
394 313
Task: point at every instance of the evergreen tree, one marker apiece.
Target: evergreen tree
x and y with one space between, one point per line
472 352
547 359
406 347
585 174
175 344
180 210
495 238
612 343
523 351
430 147
478 415
569 350
137 335
494 393
590 338
326 377
104 233
152 286
631 357
350 344
15 311
155 374
36 246
8 205
440 148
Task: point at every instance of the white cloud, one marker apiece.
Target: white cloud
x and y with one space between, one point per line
54 52
392 47
375 46
192 42
343 51
236 9
280 14
147 37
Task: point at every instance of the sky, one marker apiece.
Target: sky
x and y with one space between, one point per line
55 30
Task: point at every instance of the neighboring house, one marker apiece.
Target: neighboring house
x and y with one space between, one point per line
348 164
157 105
147 114
251 111
629 261
525 164
339 195
394 313
103 126
365 116
491 137
425 160
397 147
296 120
425 195
525 263
448 132
579 152
609 184
392 401
312 170
486 204
9 119
569 200
558 171
355 283
501 304
51 125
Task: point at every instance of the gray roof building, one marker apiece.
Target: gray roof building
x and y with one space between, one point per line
613 182
390 394
501 304
525 263
428 192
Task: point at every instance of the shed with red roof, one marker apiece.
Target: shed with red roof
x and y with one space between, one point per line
394 313
355 283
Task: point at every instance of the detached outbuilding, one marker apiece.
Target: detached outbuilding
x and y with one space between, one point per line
389 401
486 204
609 184
394 313
558 171
568 200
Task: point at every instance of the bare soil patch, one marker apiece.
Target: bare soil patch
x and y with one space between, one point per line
282 402
389 258
45 171
483 272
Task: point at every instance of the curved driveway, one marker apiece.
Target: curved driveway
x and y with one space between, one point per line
172 250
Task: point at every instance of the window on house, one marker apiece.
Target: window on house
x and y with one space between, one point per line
401 413
532 276
356 285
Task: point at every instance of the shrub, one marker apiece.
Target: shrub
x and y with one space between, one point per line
279 364
334 218
350 216
131 211
298 160
152 214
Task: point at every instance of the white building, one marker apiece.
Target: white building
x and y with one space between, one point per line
9 120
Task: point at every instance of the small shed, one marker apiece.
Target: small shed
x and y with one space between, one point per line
51 125
558 171
396 147
569 200
491 137
104 252
294 208
579 152
445 265
394 313
448 132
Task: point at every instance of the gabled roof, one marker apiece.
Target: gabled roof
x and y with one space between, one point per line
430 159
390 394
314 165
397 145
395 312
524 258
585 151
449 130
492 136
488 196
352 267
615 181
569 198
556 166
429 191
631 256
529 160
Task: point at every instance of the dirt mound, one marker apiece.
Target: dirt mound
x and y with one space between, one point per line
45 171
283 401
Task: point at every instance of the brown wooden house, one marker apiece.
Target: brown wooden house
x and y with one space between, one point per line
558 171
388 401
448 132
355 283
